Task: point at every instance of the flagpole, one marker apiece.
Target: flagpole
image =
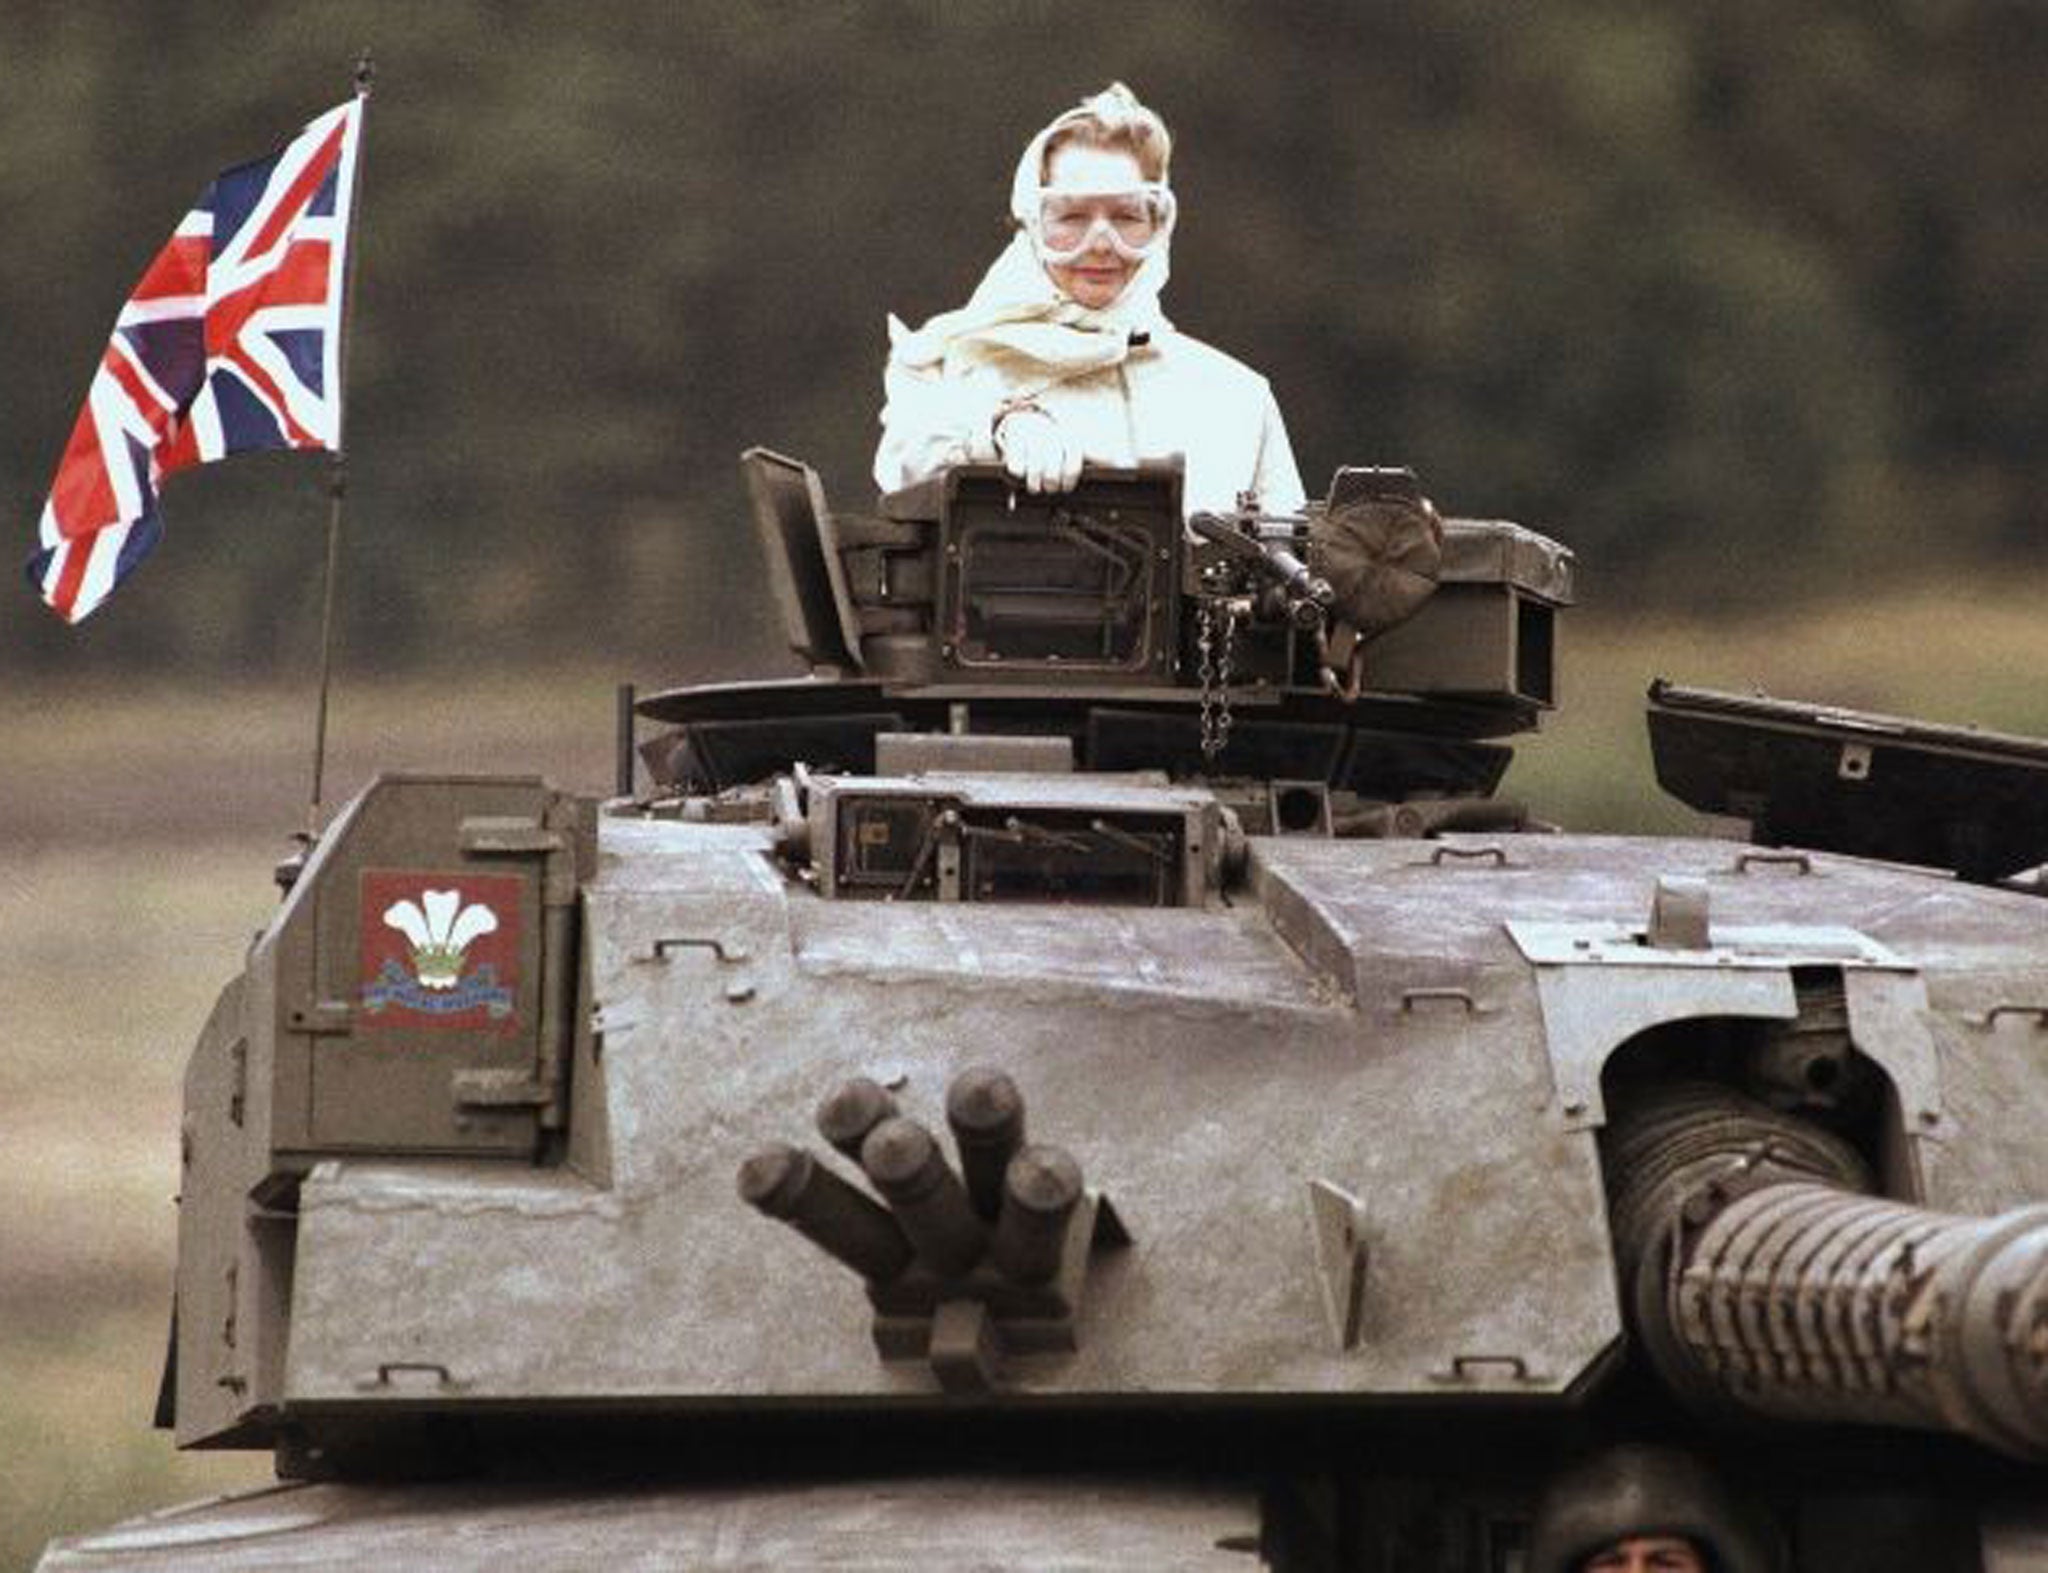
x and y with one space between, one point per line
337 472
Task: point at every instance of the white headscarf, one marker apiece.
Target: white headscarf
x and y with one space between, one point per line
1018 315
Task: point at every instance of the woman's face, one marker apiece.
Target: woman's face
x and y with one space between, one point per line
1098 275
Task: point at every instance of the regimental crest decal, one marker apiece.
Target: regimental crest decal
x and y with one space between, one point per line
440 950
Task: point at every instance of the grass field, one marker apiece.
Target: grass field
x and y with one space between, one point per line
138 827
1962 653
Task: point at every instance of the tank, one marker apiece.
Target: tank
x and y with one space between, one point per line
1095 1075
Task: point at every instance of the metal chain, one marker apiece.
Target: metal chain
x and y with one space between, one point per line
1223 717
1215 675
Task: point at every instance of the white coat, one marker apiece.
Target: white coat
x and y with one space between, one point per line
1169 394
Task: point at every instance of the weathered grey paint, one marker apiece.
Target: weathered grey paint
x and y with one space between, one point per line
1077 1524
1369 999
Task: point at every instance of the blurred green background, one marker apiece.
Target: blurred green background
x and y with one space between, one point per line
1742 300
1746 303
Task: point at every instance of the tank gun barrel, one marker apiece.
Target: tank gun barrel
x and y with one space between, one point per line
1765 1280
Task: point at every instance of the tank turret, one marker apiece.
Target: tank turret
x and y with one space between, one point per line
1094 1073
1336 666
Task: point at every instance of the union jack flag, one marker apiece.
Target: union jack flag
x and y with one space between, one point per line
231 342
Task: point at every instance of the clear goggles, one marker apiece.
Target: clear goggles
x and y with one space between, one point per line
1134 221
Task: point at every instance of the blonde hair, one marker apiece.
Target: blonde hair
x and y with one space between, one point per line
1113 118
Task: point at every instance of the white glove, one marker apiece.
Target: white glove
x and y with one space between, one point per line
1036 451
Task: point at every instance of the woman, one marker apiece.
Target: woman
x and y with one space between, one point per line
1062 356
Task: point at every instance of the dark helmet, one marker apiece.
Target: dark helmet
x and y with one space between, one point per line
1639 1490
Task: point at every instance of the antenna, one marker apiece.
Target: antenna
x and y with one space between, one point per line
337 472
